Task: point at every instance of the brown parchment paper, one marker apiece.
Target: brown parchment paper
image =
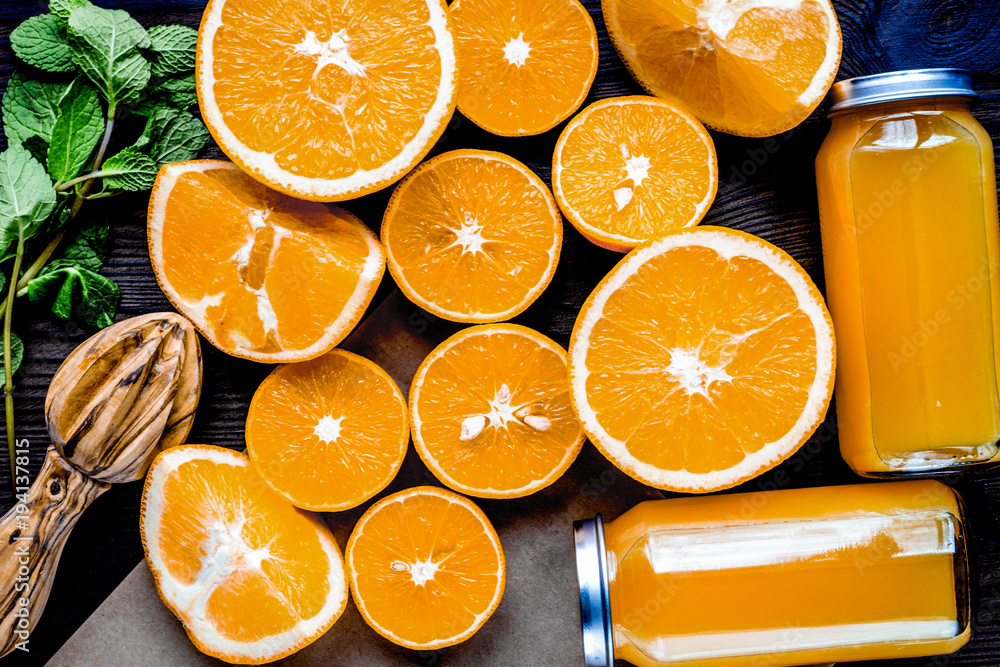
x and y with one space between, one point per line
538 620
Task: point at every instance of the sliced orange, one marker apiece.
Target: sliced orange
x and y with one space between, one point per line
524 65
703 359
426 567
630 169
251 577
748 67
326 100
261 275
472 236
328 434
491 412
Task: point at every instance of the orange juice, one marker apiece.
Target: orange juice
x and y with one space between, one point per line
908 212
788 577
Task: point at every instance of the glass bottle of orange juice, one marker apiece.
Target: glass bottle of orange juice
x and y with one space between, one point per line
908 214
777 578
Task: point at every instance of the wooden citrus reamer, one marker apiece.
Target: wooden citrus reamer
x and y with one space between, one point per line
121 397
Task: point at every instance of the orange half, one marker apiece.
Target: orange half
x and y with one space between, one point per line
329 433
703 359
524 65
426 568
630 169
491 412
472 236
261 275
326 100
252 578
752 68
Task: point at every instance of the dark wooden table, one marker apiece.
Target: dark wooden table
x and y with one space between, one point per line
767 188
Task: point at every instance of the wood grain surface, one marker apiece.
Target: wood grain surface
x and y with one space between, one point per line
766 187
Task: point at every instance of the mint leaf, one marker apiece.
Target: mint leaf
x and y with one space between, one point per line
41 42
89 248
30 108
158 116
173 48
70 284
72 290
75 134
26 195
174 136
61 9
149 106
179 92
105 45
16 357
129 170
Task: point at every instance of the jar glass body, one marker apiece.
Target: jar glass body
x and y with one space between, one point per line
911 251
791 577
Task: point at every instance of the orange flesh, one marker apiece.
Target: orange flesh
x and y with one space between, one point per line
734 315
469 381
338 396
277 287
746 80
637 170
326 89
854 577
506 217
524 65
425 529
206 504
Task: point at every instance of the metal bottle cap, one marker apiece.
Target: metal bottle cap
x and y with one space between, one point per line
908 84
595 600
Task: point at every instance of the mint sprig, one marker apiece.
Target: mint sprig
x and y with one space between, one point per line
59 132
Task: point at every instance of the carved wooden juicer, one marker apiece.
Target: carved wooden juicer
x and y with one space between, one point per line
120 398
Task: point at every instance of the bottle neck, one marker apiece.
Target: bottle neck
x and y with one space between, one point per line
884 109
595 594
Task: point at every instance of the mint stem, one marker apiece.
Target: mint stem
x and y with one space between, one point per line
43 259
108 126
20 282
8 389
95 172
104 195
80 179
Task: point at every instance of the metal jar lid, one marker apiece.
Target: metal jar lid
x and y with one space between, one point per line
595 600
908 84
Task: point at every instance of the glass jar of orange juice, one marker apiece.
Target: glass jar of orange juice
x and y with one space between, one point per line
777 578
908 214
